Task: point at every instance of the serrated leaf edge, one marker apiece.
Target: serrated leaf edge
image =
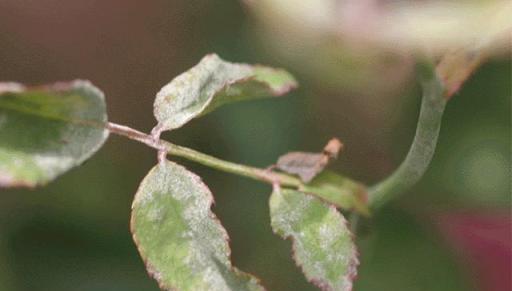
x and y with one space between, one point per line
354 260
211 200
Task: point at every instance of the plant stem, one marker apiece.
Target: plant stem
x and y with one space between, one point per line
204 159
422 149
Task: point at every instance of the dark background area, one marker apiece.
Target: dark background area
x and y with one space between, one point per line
451 232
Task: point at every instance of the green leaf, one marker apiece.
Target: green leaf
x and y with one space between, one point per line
340 191
181 241
212 83
322 243
47 130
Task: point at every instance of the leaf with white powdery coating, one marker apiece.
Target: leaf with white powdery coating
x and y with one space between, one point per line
212 83
47 130
181 241
322 243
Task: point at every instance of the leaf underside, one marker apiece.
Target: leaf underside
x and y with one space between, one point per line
212 83
181 241
322 243
47 130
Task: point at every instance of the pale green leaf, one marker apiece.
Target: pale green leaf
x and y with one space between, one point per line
322 243
45 131
181 241
214 82
338 190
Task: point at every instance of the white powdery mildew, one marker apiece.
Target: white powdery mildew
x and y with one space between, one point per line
188 95
54 164
156 214
206 261
146 189
71 103
14 167
187 235
83 103
328 234
287 215
214 280
80 141
322 248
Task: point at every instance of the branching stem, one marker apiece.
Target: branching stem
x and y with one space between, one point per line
405 176
204 159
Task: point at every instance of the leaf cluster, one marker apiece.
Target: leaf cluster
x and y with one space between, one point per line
47 130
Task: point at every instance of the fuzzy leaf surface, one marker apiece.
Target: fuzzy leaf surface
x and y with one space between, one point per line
47 130
212 83
322 243
183 244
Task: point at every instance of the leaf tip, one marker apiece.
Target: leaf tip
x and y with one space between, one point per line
279 81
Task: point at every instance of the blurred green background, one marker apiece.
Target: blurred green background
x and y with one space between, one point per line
450 233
